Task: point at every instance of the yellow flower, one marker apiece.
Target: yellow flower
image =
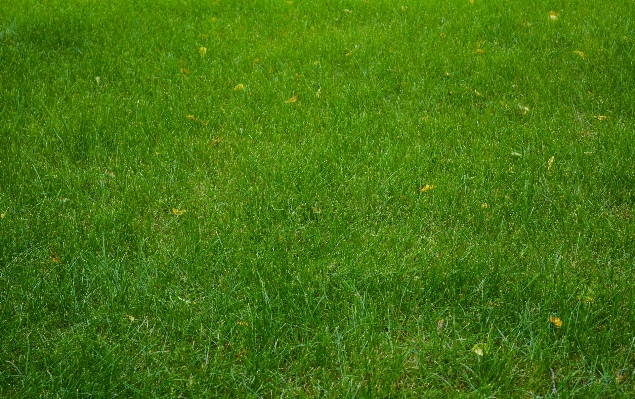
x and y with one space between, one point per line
557 323
178 212
427 187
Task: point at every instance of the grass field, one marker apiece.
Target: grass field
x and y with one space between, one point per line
317 199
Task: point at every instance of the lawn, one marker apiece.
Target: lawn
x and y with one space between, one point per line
340 198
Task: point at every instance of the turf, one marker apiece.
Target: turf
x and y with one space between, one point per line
317 199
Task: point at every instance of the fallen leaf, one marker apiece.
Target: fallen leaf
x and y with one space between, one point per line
178 212
552 15
580 53
550 162
202 51
427 187
600 117
292 99
557 323
440 325
193 118
239 87
54 257
480 349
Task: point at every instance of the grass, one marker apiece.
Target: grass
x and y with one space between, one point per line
248 219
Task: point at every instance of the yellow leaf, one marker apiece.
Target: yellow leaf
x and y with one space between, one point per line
580 53
480 51
202 51
557 323
427 187
191 117
480 349
550 162
239 87
292 99
178 212
552 15
600 117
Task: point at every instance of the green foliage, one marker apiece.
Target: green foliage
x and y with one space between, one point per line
297 136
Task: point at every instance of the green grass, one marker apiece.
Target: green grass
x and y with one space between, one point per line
309 263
